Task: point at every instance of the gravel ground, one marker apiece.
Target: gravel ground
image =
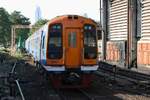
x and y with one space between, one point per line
36 87
118 91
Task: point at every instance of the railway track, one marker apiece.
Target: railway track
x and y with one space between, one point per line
89 97
11 81
112 69
33 88
138 83
75 94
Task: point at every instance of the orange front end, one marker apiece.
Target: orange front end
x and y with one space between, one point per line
72 51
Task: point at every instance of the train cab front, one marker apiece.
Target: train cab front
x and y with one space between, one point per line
71 55
90 49
55 57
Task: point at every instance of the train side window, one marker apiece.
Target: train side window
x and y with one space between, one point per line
43 42
72 40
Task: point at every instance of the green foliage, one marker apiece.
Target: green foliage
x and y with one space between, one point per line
38 24
5 28
6 21
18 55
18 19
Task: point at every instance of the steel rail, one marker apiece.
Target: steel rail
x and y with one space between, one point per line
16 81
103 66
13 68
123 87
20 90
59 93
86 94
136 78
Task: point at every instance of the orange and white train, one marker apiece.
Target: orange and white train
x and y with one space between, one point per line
66 47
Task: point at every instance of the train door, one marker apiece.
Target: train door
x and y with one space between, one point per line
73 48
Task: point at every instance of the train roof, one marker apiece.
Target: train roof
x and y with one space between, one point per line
60 18
64 17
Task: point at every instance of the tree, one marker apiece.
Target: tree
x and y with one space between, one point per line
38 24
6 21
17 18
5 30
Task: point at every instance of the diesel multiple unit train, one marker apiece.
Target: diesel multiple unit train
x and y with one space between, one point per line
66 48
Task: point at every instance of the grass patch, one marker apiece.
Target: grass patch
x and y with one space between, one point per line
4 50
18 55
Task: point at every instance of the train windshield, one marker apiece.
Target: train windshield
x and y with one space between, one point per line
90 44
55 42
89 39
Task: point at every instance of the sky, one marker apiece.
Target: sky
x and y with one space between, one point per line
52 8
